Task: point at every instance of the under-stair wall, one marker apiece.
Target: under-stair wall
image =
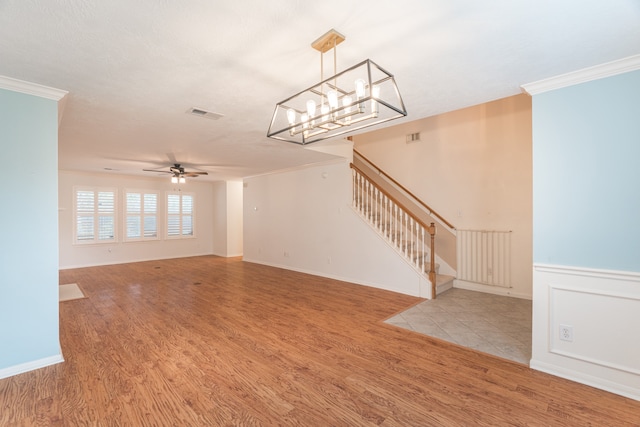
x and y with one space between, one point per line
302 220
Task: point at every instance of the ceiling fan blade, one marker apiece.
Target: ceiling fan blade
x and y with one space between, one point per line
172 158
196 173
156 170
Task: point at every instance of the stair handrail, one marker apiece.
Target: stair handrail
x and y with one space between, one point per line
431 229
413 196
396 201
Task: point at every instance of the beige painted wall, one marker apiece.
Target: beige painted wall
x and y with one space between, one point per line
474 167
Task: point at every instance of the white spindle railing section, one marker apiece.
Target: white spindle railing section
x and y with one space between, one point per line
391 219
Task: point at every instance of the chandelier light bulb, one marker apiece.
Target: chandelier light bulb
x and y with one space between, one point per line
324 110
291 116
182 180
360 88
332 97
305 120
311 108
174 179
375 94
346 103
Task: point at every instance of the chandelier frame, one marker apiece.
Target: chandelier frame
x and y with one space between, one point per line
344 107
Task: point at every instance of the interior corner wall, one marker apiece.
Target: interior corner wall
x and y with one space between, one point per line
227 219
118 252
474 167
29 336
219 218
302 220
234 218
586 234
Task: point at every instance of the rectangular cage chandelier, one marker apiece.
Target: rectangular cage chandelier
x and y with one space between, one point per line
358 97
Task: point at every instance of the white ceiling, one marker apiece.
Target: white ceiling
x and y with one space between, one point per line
133 68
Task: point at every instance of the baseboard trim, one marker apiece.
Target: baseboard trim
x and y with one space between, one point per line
232 255
335 277
579 377
471 286
100 264
30 366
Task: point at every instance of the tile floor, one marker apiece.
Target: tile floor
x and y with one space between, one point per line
493 324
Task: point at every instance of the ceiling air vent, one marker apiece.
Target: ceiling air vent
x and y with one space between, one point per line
413 137
204 113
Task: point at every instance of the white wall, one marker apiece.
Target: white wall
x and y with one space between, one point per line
302 220
235 230
72 255
227 219
219 219
472 166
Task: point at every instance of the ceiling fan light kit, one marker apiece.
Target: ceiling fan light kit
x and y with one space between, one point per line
178 173
360 96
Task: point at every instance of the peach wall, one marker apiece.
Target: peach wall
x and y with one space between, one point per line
474 167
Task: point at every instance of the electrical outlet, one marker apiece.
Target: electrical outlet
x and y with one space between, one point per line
566 333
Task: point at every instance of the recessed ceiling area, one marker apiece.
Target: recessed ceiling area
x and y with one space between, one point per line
132 69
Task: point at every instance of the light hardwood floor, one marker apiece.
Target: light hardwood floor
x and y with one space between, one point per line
210 341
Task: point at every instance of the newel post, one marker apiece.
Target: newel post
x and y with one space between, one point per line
432 269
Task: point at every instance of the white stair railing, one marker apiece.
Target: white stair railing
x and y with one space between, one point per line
393 221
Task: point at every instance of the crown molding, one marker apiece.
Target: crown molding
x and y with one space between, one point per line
608 69
32 88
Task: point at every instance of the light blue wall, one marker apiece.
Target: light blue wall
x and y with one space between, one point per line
29 218
586 174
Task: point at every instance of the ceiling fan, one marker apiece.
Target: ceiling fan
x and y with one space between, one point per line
178 173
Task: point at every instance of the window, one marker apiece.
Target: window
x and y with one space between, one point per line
180 213
95 215
141 216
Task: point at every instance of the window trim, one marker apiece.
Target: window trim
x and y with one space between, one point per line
96 214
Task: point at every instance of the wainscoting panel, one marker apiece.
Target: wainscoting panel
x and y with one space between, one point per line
598 322
585 326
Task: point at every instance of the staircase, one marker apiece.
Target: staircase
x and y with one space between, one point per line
410 237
